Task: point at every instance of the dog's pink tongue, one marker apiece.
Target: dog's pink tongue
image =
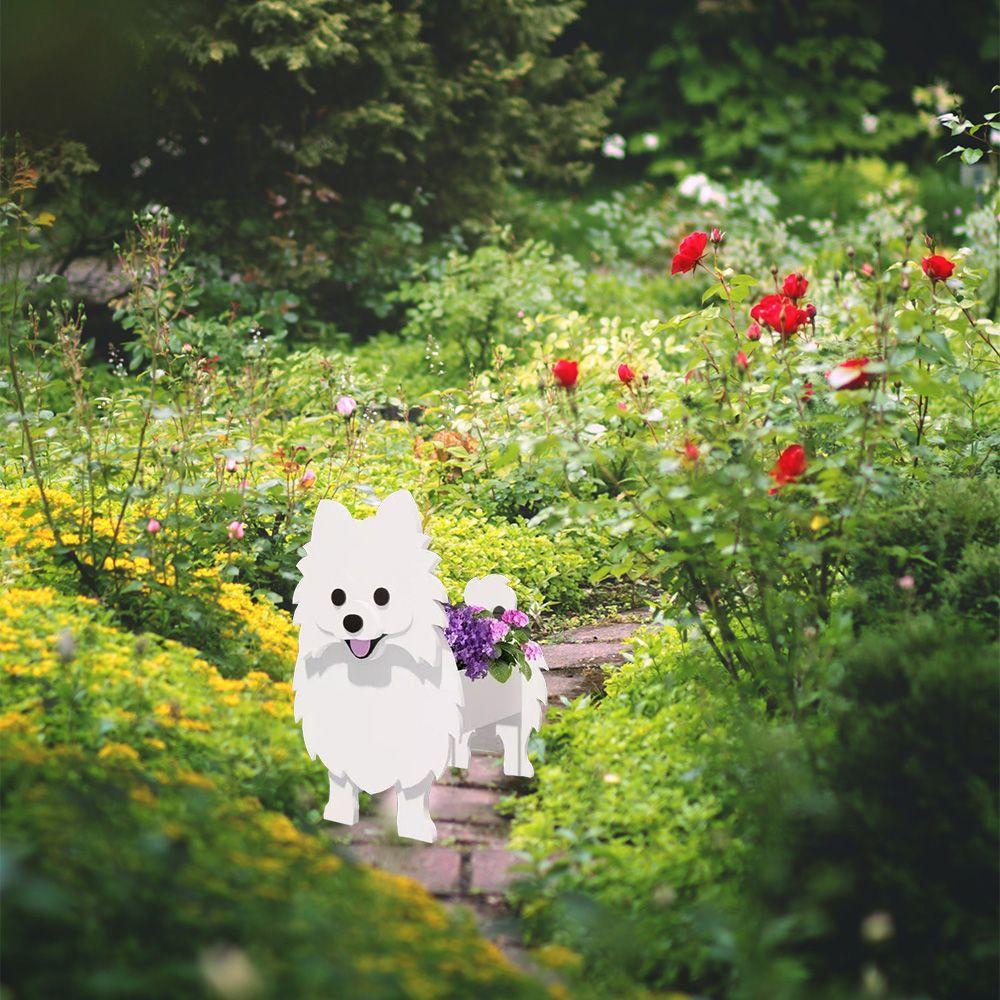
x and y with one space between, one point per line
360 647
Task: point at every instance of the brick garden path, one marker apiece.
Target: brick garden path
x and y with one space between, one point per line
470 863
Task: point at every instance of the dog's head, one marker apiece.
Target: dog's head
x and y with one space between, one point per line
368 584
492 592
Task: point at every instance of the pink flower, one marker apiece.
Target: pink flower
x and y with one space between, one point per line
753 331
867 270
741 360
231 464
906 582
520 314
532 651
717 235
235 529
153 526
308 478
622 405
514 617
498 630
346 405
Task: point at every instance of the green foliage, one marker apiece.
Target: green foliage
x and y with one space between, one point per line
315 145
477 302
631 831
543 571
876 866
935 549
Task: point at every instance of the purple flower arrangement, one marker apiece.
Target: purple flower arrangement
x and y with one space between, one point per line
484 643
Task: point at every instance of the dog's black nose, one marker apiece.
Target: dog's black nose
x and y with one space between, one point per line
353 623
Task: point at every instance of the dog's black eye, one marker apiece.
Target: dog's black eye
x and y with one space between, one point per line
381 597
498 611
338 597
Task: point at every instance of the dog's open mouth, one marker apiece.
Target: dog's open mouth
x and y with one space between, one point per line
363 648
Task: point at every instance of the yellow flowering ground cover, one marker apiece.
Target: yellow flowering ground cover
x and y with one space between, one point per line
71 676
130 880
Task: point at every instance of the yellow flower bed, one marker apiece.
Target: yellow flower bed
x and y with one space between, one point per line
68 674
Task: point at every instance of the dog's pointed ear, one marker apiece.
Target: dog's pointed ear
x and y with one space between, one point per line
329 521
399 510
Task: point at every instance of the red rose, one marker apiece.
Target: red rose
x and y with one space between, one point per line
753 331
795 286
691 451
691 250
849 374
741 360
625 374
790 465
566 372
937 268
780 313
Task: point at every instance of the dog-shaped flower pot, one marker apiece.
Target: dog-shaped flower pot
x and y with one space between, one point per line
377 690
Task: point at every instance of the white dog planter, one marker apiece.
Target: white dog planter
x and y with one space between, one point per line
377 690
510 711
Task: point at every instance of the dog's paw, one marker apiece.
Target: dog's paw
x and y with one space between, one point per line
339 813
422 829
513 771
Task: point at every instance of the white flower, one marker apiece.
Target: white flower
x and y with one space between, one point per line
650 140
655 415
869 123
613 147
698 186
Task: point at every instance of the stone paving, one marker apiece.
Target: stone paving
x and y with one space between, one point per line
470 863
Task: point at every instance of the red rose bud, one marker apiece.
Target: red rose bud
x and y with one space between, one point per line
795 286
810 311
807 395
566 372
849 374
937 268
691 451
867 270
691 250
741 360
717 236
790 465
625 374
753 331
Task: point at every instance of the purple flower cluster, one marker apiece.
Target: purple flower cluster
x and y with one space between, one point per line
470 639
514 617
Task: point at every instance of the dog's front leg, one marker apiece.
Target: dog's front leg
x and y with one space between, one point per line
514 740
343 804
413 815
462 754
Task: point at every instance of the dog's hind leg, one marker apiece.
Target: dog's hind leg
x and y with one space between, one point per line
514 739
343 804
462 755
413 816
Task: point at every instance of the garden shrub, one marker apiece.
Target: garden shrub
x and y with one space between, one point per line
631 829
875 868
936 548
407 121
122 882
70 676
476 302
544 571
